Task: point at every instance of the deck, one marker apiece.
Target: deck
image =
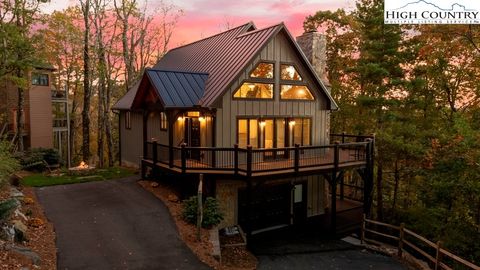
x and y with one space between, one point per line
249 162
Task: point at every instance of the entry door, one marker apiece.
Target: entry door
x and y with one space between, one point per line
299 201
192 136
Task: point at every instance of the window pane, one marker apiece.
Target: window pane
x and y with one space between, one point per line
306 131
295 92
253 136
268 133
280 132
40 79
255 90
288 72
242 133
297 130
263 70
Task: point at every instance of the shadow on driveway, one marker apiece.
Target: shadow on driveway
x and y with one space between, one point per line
113 224
299 248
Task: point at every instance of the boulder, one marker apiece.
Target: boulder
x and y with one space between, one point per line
172 198
15 193
154 184
19 226
34 257
17 213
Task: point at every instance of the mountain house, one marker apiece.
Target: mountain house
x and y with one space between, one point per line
246 109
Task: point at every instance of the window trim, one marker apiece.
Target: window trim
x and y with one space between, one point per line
128 120
163 121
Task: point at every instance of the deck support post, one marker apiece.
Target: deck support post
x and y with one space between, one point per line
248 229
297 157
333 181
184 158
235 158
249 160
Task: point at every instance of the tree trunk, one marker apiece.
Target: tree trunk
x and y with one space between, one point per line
379 190
86 85
397 182
20 117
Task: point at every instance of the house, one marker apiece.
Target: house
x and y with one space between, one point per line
45 113
247 111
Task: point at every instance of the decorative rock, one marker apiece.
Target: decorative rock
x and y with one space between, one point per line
36 222
154 184
34 257
15 193
17 213
172 198
8 232
18 225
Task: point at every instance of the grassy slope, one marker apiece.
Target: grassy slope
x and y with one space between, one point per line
42 180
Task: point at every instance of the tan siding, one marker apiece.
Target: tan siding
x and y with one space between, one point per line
40 117
131 139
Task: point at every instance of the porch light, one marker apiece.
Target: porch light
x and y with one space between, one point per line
180 118
262 123
292 123
201 118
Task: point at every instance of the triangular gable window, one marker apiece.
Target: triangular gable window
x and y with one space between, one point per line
263 71
289 73
295 92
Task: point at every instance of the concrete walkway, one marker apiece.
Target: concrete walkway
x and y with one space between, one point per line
113 225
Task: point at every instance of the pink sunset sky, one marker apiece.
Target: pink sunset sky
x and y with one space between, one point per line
203 18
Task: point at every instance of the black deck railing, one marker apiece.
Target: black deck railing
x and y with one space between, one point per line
248 161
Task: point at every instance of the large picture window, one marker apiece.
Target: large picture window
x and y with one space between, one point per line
288 91
255 90
263 70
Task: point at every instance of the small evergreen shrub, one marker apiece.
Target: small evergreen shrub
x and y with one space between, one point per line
8 164
35 159
6 208
211 213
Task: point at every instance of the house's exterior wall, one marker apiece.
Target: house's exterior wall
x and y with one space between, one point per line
40 116
131 140
278 50
227 197
153 129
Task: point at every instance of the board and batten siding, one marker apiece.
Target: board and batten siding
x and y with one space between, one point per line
40 116
154 133
131 141
278 51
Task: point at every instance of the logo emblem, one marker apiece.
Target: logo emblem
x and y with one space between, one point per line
432 12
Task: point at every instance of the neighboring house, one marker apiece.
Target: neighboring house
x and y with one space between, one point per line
245 109
45 113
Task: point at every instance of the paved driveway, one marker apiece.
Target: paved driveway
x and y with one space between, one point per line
113 225
304 249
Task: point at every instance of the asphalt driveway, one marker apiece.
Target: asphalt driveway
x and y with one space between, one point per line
113 225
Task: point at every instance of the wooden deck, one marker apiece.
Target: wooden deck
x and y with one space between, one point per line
259 162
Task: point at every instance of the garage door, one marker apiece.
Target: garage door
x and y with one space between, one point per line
270 206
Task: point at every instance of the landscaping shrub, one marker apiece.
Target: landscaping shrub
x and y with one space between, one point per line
8 164
6 208
211 213
35 159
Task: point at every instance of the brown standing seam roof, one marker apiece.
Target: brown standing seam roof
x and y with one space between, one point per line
223 57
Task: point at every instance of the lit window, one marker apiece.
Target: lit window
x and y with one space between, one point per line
128 123
263 70
255 90
288 72
295 92
40 79
163 121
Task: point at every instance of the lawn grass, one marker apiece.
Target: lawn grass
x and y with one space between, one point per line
43 179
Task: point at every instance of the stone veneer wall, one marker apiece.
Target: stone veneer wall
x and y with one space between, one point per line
314 46
227 197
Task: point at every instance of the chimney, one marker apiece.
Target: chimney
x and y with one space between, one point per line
314 46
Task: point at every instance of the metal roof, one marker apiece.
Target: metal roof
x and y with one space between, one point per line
125 102
177 89
222 56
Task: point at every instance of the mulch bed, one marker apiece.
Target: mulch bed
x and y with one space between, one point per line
238 258
40 235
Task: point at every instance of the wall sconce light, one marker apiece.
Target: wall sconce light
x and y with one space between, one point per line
262 123
201 118
180 118
292 123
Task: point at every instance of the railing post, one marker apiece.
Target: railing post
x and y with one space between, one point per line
297 158
170 156
343 136
235 159
249 160
184 158
362 233
400 239
336 155
437 257
154 152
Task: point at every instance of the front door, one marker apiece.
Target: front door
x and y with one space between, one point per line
299 201
192 136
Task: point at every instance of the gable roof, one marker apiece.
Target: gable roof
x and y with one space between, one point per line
125 102
223 57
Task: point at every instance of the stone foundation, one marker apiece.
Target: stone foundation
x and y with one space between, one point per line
227 197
